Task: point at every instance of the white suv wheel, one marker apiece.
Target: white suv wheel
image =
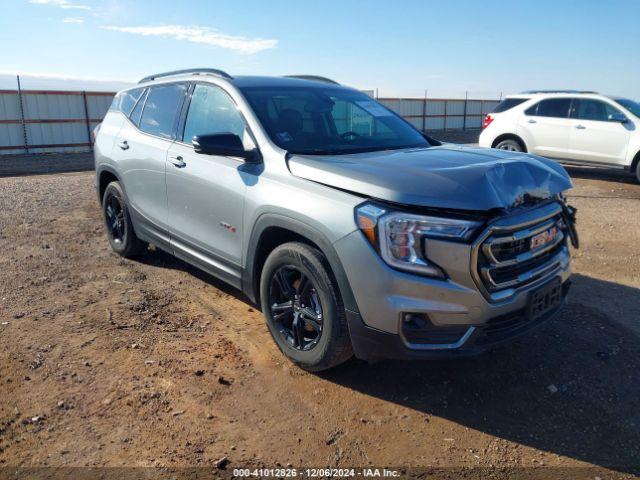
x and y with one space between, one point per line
509 145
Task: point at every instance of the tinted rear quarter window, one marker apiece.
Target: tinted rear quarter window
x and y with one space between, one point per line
161 109
124 101
552 107
137 111
508 104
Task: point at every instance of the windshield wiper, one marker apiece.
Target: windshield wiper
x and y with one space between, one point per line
347 151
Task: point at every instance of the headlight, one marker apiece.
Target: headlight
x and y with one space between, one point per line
400 238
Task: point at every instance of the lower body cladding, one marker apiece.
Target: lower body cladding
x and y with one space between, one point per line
406 316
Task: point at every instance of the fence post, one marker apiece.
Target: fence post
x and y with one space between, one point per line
464 115
24 125
444 126
424 112
86 119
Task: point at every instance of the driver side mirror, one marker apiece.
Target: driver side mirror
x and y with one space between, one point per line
618 117
224 145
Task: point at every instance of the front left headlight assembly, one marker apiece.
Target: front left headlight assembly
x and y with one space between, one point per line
401 238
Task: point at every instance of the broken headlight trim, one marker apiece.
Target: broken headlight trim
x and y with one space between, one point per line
401 238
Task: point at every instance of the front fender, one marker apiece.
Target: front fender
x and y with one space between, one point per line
250 282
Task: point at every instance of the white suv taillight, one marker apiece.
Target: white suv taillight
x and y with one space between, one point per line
487 121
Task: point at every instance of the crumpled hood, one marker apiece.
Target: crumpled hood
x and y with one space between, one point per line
451 177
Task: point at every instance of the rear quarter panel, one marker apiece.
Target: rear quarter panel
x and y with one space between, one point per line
503 123
109 129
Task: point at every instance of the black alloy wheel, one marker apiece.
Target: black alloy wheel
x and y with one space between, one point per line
120 232
114 215
296 309
303 307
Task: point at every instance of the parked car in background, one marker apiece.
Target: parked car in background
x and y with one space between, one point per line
355 233
573 127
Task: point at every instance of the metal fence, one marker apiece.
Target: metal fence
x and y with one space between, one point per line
39 121
431 114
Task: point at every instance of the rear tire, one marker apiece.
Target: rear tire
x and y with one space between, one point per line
638 172
303 308
509 145
120 233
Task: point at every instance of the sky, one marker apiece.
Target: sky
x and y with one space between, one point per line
401 48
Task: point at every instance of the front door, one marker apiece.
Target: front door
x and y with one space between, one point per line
206 192
595 138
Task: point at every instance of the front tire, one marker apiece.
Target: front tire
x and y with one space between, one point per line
638 172
120 233
303 308
509 145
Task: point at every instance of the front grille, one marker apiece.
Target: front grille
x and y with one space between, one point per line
508 258
503 327
511 324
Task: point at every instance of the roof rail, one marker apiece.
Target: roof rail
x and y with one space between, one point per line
559 91
195 71
317 78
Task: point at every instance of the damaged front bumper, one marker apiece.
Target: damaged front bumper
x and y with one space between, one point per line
486 299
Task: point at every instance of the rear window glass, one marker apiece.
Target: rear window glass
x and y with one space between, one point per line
161 109
508 104
552 107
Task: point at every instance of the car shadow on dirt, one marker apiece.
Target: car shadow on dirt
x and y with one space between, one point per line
161 259
604 174
572 388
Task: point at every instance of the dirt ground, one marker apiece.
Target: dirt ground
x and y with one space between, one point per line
112 362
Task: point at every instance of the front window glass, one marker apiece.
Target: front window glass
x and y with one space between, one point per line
161 109
633 107
212 111
329 120
588 109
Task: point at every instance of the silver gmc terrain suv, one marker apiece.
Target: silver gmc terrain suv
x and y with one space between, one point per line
354 232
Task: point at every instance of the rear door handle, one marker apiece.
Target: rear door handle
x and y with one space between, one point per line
178 161
124 145
532 121
580 127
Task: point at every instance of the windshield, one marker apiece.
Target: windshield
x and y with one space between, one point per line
328 120
633 107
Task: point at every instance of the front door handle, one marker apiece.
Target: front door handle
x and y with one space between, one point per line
580 127
124 145
532 121
178 161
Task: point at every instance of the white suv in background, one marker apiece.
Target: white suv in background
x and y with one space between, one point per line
573 127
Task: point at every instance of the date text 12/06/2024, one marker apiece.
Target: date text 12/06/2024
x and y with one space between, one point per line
316 472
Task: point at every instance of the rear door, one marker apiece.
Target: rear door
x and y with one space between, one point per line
113 121
206 192
143 143
594 138
547 125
